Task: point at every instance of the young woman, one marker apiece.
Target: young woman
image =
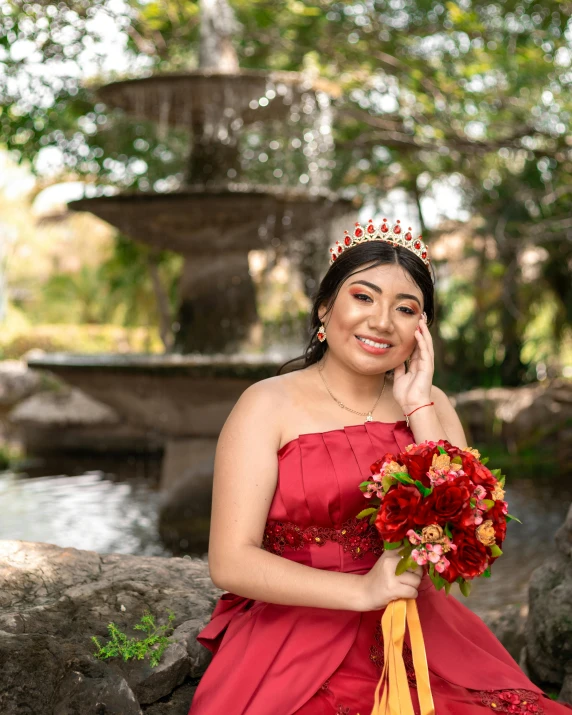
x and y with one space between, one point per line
298 631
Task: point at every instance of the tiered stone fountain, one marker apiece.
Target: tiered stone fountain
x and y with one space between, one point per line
214 220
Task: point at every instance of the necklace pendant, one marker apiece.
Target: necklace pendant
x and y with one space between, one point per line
369 418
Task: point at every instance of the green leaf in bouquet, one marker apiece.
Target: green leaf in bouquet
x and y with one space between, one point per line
487 573
502 480
404 564
387 482
402 477
448 585
496 473
425 491
366 512
373 518
484 460
489 503
495 550
473 503
441 450
407 548
447 530
465 587
391 545
365 484
438 581
510 517
457 460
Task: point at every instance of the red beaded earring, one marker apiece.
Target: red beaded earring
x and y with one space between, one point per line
321 333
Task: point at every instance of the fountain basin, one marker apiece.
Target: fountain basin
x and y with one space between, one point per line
203 96
181 401
199 219
174 396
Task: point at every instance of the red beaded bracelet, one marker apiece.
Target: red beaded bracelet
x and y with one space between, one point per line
429 404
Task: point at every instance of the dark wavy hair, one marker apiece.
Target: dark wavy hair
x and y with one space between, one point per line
360 258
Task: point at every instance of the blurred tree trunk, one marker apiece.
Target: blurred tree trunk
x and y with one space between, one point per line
511 368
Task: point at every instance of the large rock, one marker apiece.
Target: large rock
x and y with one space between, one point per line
549 626
18 381
52 602
521 416
68 419
508 624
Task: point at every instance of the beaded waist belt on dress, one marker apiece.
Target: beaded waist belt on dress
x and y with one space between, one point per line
355 536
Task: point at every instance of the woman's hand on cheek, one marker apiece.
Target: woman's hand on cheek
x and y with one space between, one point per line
412 388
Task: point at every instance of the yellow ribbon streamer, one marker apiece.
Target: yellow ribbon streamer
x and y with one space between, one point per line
392 695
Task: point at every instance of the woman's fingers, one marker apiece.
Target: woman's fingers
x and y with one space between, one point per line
418 570
425 354
407 592
427 335
409 579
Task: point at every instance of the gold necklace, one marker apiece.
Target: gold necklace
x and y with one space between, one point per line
367 415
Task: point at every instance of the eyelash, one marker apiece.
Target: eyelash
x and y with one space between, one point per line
402 308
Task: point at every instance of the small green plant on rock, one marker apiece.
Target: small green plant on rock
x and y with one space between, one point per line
121 645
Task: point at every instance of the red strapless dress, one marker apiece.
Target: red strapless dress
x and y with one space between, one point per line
295 660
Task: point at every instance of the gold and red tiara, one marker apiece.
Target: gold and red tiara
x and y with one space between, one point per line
395 236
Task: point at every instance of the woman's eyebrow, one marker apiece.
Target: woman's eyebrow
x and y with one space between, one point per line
377 289
404 296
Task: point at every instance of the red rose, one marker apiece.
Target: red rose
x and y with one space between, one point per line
497 516
471 557
395 515
447 502
477 472
418 461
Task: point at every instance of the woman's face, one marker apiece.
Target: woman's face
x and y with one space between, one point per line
380 305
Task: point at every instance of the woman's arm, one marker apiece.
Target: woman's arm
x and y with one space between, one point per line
438 422
245 478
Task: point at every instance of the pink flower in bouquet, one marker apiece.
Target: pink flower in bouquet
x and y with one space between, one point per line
442 565
413 537
419 556
434 552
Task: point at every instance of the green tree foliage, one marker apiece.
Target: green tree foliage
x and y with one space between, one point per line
476 93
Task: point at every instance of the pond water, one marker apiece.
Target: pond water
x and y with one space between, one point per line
106 510
115 509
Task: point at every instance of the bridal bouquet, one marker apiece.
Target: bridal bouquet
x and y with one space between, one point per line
442 508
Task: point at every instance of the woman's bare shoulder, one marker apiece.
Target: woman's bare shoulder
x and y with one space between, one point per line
264 405
281 387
